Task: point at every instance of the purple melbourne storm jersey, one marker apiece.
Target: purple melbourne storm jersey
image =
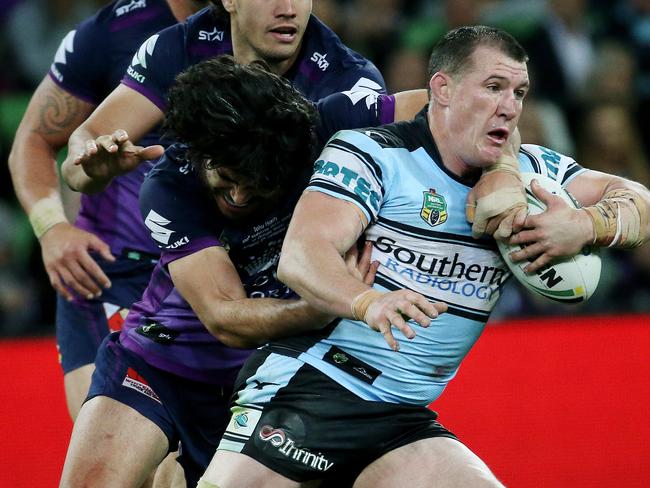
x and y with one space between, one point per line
325 65
183 219
89 64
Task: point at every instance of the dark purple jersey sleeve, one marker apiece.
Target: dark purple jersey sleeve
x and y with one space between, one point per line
180 217
353 110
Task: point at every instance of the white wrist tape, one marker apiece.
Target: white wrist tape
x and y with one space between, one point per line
620 219
45 214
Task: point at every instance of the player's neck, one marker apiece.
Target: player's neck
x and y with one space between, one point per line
182 9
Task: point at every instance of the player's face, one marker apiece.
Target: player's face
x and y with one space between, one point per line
485 104
235 198
271 30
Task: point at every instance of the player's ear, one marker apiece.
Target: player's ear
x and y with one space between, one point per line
440 88
228 5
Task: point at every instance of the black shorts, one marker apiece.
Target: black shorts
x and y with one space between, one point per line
303 425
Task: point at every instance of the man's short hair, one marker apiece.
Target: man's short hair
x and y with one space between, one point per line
453 53
244 118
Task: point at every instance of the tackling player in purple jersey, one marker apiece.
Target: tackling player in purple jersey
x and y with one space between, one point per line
283 33
218 211
108 244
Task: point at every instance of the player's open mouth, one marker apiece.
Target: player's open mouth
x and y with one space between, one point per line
285 33
499 136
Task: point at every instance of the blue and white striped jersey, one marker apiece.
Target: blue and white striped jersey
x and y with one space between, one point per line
416 210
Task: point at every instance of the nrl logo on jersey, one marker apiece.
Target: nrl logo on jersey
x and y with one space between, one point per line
434 208
320 60
134 4
214 35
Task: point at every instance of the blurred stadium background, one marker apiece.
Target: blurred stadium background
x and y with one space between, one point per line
552 395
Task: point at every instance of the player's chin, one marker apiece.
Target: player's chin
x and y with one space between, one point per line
236 212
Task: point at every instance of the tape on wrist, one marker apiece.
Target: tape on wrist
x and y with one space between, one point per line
45 214
620 219
506 164
362 301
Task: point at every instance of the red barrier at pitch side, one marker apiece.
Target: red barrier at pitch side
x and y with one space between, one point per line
546 403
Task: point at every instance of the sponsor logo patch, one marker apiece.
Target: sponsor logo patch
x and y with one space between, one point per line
213 35
115 316
351 365
243 422
279 439
320 60
157 333
156 224
136 382
125 9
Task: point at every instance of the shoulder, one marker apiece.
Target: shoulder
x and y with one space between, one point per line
171 178
327 53
548 162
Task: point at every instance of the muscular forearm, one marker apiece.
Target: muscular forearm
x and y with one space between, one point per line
317 272
250 322
620 218
74 174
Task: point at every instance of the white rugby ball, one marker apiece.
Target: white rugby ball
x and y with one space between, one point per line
570 280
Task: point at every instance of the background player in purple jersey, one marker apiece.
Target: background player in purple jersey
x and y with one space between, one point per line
219 219
293 42
108 244
101 264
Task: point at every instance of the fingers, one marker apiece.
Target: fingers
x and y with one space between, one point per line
470 206
369 278
102 248
151 152
57 284
397 309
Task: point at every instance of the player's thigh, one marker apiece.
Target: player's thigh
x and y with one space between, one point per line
438 462
234 470
112 445
77 383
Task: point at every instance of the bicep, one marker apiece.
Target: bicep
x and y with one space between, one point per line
205 278
53 114
589 186
321 218
124 109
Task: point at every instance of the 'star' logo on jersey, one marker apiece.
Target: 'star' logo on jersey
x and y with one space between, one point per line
156 224
125 9
214 35
140 58
364 89
320 60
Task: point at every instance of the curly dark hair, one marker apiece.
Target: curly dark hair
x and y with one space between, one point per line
244 118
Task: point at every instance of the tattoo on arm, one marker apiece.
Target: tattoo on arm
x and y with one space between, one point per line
59 113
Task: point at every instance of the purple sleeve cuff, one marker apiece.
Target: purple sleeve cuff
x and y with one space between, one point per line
387 112
195 245
149 94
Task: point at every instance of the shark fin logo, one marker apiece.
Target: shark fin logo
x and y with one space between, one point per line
434 208
140 57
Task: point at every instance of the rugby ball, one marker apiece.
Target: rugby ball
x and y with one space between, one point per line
569 280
